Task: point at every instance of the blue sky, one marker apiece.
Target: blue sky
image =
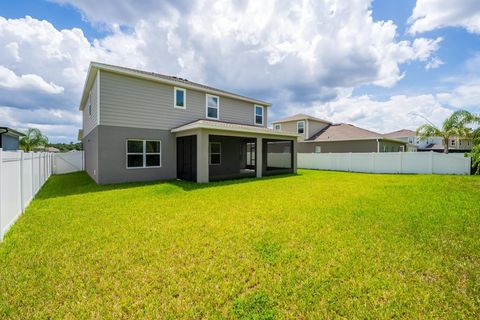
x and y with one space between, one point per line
377 64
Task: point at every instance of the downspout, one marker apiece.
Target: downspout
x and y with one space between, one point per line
378 145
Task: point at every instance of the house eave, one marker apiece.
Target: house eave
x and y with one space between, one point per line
254 130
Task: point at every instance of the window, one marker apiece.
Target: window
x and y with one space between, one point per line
215 153
180 98
213 103
277 126
301 127
318 149
259 115
459 142
452 142
90 105
143 154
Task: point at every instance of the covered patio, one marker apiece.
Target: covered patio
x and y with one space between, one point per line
213 150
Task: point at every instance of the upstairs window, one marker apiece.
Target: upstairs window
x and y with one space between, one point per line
180 98
213 104
277 126
144 154
301 127
90 105
259 115
452 142
215 153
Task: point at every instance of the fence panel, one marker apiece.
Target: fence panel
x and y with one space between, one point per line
21 177
68 162
387 162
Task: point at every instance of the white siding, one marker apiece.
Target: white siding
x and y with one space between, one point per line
132 102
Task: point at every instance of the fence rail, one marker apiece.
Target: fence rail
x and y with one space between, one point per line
387 162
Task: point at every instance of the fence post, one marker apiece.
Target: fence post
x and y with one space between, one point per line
373 162
349 161
33 174
431 162
1 201
330 166
401 162
22 203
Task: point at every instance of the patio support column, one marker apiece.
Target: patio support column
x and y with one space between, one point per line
259 164
202 157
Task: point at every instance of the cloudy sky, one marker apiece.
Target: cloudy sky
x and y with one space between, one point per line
379 64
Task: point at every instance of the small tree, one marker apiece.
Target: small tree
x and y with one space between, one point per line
453 126
475 152
33 138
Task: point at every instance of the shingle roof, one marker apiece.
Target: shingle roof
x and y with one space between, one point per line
300 116
344 131
401 134
229 126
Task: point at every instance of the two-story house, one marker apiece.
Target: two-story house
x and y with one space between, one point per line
141 125
321 136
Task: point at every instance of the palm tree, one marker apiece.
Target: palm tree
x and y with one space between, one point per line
33 138
453 126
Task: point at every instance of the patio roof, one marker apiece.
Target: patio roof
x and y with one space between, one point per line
228 126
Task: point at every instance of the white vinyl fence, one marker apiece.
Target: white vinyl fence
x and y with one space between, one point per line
21 177
23 174
68 162
388 162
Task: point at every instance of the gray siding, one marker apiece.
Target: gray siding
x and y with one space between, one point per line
112 156
314 127
390 146
90 147
90 121
132 102
8 142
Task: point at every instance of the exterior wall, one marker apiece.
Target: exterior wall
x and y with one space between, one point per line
90 146
8 142
339 146
90 121
390 146
138 103
314 127
112 155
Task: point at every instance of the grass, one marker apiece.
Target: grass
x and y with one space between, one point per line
312 245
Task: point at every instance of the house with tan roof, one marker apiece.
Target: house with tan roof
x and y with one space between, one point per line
140 125
321 136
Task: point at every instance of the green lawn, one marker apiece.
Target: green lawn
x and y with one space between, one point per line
313 245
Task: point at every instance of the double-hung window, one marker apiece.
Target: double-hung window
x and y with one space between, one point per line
259 115
301 127
212 107
215 153
180 98
144 153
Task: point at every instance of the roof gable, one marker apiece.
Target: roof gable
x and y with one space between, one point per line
299 117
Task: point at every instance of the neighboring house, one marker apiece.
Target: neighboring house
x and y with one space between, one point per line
321 136
10 139
431 144
406 135
46 149
141 125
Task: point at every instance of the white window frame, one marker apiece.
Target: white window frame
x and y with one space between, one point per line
175 89
206 106
255 115
279 126
319 149
143 153
298 122
210 153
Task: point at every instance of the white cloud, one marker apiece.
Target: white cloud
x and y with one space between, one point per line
434 63
433 14
9 80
